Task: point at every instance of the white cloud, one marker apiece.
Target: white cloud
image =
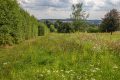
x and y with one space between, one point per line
61 8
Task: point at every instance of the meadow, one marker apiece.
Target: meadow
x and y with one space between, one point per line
72 56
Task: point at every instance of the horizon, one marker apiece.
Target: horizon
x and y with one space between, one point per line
65 19
61 9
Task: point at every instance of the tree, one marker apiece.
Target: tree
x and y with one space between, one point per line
110 22
48 23
77 11
79 16
66 28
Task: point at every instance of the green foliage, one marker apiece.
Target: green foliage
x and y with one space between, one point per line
16 24
92 29
77 12
48 23
79 17
111 21
64 27
78 25
42 29
5 37
52 28
75 56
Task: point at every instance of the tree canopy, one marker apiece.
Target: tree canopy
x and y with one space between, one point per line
110 22
79 16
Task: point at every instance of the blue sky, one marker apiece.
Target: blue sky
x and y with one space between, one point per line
55 9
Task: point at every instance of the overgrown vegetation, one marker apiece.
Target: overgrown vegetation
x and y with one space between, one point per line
76 56
53 56
42 29
16 24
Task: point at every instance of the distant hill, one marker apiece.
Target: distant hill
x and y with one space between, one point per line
96 22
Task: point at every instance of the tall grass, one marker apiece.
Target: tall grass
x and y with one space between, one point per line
78 56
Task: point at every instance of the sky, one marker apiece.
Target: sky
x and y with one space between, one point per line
61 9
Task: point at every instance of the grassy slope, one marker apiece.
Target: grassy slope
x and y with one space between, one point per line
76 56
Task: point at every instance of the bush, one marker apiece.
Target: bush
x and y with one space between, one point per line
52 28
93 29
42 29
65 28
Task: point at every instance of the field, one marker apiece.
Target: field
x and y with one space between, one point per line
75 56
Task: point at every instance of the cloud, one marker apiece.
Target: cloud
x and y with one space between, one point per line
62 8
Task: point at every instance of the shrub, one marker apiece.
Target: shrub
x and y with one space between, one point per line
42 29
52 28
65 28
93 29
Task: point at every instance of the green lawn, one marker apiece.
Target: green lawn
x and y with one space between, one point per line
77 56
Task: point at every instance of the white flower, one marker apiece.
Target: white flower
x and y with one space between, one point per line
63 76
91 65
41 75
62 70
92 78
67 71
48 71
93 70
115 66
37 71
97 69
71 70
5 63
56 71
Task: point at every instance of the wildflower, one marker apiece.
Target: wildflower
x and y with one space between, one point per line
97 69
56 71
79 77
71 70
5 63
67 71
93 70
85 70
99 75
37 71
91 65
61 70
63 76
115 67
92 78
48 71
41 75
72 74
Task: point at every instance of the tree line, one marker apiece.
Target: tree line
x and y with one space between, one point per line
110 23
